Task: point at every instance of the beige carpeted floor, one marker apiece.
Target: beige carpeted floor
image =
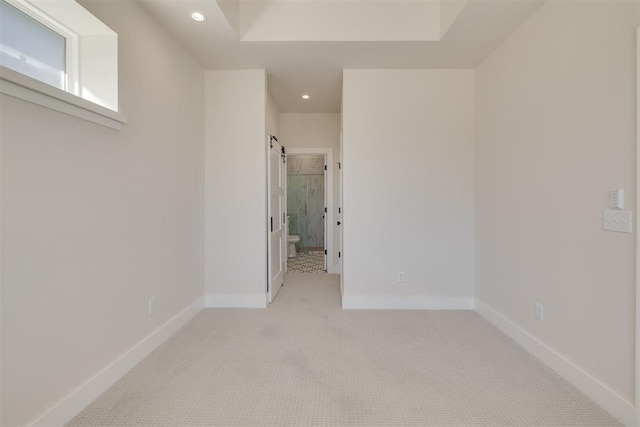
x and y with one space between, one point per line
306 362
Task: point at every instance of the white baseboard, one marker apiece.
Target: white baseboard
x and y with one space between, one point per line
236 301
405 303
333 268
583 381
63 411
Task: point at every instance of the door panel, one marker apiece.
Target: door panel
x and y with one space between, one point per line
277 237
324 214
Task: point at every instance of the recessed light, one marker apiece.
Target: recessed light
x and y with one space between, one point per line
197 16
305 96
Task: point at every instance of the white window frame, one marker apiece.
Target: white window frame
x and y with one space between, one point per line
91 82
71 80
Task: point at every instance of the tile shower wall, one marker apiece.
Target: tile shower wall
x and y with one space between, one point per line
305 199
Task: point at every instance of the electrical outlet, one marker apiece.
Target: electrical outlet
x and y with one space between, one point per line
617 220
539 311
400 278
152 305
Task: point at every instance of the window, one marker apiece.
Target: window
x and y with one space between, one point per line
33 45
51 50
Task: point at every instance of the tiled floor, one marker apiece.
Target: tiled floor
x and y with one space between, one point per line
307 262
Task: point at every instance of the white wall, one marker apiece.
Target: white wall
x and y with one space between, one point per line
408 188
311 130
273 117
235 188
555 133
317 130
95 221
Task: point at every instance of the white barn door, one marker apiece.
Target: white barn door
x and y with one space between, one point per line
276 219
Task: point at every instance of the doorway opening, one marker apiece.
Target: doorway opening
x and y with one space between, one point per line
306 206
309 209
299 202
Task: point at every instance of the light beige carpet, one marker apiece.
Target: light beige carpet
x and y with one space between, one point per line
305 362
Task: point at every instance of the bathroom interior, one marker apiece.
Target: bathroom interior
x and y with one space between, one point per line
306 214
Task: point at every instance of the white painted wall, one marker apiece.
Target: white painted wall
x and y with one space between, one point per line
273 117
317 130
235 188
555 133
311 130
95 221
408 188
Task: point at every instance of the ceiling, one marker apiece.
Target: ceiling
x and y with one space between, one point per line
305 44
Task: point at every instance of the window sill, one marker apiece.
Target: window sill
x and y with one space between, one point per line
22 87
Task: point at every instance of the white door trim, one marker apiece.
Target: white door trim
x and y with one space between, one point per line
636 227
341 227
326 224
332 266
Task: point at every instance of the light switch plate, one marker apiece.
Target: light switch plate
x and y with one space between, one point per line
620 221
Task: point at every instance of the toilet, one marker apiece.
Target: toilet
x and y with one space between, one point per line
292 240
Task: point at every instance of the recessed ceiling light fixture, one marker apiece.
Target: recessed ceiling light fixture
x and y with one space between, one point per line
197 16
305 96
